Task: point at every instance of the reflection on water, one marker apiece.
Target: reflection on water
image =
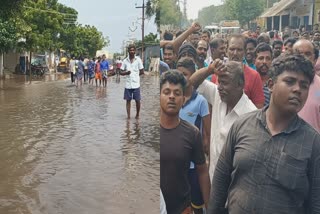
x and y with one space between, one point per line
71 150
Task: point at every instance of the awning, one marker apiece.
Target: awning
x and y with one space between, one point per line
278 8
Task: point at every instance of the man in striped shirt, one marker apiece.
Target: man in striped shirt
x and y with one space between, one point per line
263 63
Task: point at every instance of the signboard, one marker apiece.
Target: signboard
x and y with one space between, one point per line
230 23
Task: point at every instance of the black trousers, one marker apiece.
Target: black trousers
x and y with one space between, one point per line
72 77
85 75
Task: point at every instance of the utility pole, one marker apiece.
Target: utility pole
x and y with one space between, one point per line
185 8
142 28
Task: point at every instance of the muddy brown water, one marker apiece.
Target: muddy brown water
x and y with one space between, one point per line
71 150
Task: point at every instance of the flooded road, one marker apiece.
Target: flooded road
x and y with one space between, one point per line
68 150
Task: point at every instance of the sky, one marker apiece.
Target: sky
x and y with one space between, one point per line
193 6
113 18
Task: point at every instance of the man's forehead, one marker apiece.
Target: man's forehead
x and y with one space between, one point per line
294 74
202 44
264 53
226 74
236 41
167 51
171 86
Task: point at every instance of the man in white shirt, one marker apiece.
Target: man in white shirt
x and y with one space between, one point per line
227 99
132 67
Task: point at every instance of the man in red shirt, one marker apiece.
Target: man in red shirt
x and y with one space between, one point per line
257 33
253 83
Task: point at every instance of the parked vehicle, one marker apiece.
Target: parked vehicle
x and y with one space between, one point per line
225 27
39 62
37 70
63 65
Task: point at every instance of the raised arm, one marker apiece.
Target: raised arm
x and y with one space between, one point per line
199 76
180 39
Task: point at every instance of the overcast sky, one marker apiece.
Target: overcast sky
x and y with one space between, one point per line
193 6
112 18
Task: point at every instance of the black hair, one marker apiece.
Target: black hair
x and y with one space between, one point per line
214 43
189 48
173 76
271 34
131 46
206 32
187 63
168 47
277 42
262 38
292 63
252 41
285 37
167 36
179 33
291 40
262 47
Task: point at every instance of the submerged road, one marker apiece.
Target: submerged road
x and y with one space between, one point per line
72 150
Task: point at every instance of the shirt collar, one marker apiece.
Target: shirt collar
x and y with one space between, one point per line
293 125
238 108
193 96
128 58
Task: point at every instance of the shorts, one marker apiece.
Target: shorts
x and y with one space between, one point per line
196 195
98 76
91 75
104 74
133 93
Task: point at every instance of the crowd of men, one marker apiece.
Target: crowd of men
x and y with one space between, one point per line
239 123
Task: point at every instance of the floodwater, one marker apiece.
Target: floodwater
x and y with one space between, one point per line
68 150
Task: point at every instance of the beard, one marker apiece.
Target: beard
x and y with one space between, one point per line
263 70
201 58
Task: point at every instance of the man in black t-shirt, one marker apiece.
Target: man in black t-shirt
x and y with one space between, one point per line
180 143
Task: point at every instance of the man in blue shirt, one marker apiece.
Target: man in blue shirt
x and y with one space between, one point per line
104 67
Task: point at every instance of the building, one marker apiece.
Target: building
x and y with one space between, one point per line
290 13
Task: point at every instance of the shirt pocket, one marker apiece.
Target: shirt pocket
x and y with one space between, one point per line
291 172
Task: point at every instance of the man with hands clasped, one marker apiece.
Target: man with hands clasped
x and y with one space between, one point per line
227 99
132 67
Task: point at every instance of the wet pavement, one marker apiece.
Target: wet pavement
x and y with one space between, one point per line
71 150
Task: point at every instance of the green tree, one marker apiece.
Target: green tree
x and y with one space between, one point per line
8 35
9 7
170 13
81 40
150 39
11 26
244 10
153 9
212 14
45 23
